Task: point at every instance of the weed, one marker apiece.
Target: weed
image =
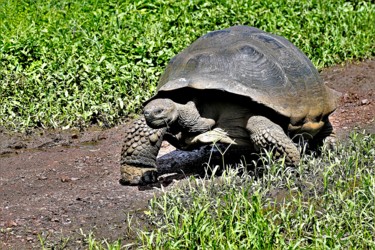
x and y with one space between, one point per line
330 204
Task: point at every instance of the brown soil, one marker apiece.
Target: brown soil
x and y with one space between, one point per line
55 183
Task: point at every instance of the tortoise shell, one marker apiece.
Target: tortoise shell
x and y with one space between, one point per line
245 61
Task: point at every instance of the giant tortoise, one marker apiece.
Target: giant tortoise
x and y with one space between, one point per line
239 86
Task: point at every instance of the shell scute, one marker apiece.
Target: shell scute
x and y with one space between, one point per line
264 68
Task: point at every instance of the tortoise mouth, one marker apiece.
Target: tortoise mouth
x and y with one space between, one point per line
158 122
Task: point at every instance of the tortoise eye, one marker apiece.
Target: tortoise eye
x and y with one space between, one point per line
158 111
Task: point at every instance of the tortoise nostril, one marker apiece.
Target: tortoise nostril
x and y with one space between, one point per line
146 113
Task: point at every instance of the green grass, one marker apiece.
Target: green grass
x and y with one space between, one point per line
330 205
75 63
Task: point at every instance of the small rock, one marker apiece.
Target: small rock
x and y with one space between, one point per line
74 136
11 223
65 179
365 102
55 219
102 137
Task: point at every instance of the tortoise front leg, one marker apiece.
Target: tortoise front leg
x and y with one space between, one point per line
266 134
189 119
139 152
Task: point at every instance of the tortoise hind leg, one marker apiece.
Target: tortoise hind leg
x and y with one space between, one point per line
139 152
266 134
326 136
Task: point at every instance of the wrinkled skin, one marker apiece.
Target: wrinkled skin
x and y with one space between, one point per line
186 127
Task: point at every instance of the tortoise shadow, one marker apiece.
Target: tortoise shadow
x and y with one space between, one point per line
178 165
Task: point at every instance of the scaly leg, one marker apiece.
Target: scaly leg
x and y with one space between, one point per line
266 134
326 136
138 155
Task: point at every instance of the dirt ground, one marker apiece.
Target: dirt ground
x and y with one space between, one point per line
53 184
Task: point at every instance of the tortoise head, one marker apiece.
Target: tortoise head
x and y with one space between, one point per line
160 113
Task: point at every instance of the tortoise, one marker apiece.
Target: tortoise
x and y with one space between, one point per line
239 86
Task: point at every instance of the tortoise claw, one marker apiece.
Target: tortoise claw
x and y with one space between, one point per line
132 176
